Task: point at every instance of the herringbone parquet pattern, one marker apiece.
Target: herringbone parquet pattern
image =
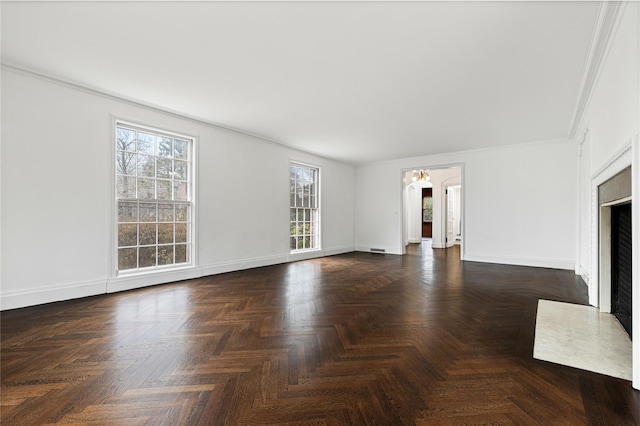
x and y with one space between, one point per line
346 340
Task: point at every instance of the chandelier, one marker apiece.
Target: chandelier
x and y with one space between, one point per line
421 175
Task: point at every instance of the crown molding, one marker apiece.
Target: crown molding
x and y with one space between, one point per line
606 25
54 79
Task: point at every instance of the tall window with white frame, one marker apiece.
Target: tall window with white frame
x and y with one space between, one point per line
304 207
154 185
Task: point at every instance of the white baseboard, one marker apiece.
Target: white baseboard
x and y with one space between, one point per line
387 250
332 251
47 294
523 261
584 274
53 293
133 281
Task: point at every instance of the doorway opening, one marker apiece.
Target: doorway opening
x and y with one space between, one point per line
427 213
433 208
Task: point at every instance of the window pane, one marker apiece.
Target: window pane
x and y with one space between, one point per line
147 234
146 188
181 253
181 233
180 191
146 256
165 255
152 173
125 163
180 170
292 244
146 143
147 212
182 213
164 189
127 258
292 215
127 235
146 166
126 140
163 168
126 187
180 148
127 212
164 146
165 233
165 212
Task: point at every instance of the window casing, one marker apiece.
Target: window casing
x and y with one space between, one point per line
304 207
154 201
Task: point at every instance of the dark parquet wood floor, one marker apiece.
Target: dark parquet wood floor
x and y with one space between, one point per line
347 340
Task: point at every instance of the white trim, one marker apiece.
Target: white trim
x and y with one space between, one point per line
51 293
461 165
608 20
317 209
133 281
584 274
616 202
51 78
619 162
56 293
240 265
635 262
537 262
628 155
191 198
366 248
350 248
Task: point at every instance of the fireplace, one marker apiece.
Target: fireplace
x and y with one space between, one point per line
621 264
614 198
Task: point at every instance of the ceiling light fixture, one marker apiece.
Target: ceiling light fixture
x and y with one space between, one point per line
421 175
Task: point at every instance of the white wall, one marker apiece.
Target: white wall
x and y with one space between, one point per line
519 203
57 194
611 123
611 120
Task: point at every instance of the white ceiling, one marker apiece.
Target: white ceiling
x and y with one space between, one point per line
355 81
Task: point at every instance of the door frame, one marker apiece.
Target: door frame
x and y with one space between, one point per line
446 182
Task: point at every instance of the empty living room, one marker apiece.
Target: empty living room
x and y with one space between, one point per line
320 212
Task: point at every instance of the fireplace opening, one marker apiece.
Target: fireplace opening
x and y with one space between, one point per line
621 264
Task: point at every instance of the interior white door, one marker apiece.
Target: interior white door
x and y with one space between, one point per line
451 220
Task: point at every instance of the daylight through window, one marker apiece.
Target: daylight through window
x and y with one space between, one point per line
154 200
304 207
